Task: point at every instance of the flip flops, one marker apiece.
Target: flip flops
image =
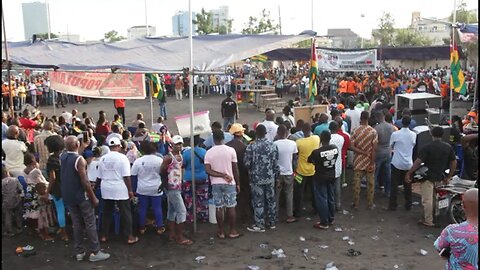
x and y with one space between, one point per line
220 236
131 242
160 230
291 220
185 242
233 236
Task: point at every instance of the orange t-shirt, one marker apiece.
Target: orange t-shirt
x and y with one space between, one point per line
444 90
350 87
119 103
342 86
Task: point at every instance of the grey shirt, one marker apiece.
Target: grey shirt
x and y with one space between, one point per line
384 131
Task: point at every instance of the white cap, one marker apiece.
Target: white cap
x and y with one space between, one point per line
177 139
114 141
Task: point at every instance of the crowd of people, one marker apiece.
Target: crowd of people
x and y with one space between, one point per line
99 171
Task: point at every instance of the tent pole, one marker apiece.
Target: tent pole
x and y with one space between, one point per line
190 97
151 109
454 18
8 67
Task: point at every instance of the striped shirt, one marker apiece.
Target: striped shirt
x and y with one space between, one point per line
364 137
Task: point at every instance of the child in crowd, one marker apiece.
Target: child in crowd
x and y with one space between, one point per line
12 206
33 176
46 215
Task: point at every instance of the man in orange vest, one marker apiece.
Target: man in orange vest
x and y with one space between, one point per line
342 86
120 106
351 87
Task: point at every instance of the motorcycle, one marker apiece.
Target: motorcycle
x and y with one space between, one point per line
448 198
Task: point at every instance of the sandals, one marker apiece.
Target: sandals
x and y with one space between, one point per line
142 231
131 242
160 230
220 236
421 222
234 236
185 242
320 226
291 220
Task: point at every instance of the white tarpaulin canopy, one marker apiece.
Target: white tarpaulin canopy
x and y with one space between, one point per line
147 54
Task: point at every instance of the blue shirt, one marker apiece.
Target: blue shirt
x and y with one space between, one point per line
209 141
261 160
200 173
412 125
321 128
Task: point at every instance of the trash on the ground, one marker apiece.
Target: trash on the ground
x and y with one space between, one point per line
338 229
395 266
279 253
200 259
375 237
352 252
323 246
301 238
28 248
423 252
313 257
382 220
253 267
211 241
308 219
19 250
351 243
345 212
268 257
263 245
346 238
415 203
47 260
305 252
429 236
330 266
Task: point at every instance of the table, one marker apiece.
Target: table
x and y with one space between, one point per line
257 92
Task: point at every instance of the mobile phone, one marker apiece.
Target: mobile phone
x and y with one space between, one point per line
85 136
445 252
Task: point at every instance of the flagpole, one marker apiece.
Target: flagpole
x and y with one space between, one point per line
454 18
190 97
151 99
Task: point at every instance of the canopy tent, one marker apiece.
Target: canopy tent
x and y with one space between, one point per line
147 54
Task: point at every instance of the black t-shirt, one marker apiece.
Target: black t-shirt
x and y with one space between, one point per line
437 156
470 163
229 107
324 159
53 164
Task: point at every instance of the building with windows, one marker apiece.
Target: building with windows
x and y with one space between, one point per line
180 24
343 38
35 19
141 31
220 18
437 30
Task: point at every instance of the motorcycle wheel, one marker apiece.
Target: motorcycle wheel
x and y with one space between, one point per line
456 213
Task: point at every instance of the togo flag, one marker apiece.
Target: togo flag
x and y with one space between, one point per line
313 74
259 58
156 85
457 80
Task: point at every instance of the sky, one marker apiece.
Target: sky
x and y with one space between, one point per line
92 18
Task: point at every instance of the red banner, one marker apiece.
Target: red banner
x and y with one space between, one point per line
99 85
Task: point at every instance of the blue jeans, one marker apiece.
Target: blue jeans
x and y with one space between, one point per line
227 121
383 170
143 203
176 207
325 201
163 110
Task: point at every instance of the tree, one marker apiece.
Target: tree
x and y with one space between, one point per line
262 25
409 37
464 15
45 36
112 36
307 43
204 23
225 29
386 30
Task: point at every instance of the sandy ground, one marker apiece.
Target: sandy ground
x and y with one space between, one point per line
387 240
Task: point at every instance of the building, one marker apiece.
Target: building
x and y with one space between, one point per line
343 38
180 24
220 17
69 37
35 19
437 30
141 31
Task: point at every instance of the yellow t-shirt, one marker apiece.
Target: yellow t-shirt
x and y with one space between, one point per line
305 148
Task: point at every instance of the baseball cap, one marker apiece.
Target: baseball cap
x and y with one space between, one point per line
235 128
340 107
472 114
177 139
114 141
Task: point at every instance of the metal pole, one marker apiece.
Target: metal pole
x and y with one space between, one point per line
279 20
190 97
454 18
8 66
48 19
151 108
311 10
146 20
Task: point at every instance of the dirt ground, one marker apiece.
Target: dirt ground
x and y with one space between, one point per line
387 240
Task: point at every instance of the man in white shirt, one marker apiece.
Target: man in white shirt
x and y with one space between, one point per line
14 151
337 140
156 126
270 124
354 115
286 150
402 143
116 187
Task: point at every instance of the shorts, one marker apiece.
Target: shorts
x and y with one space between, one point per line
224 195
176 208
